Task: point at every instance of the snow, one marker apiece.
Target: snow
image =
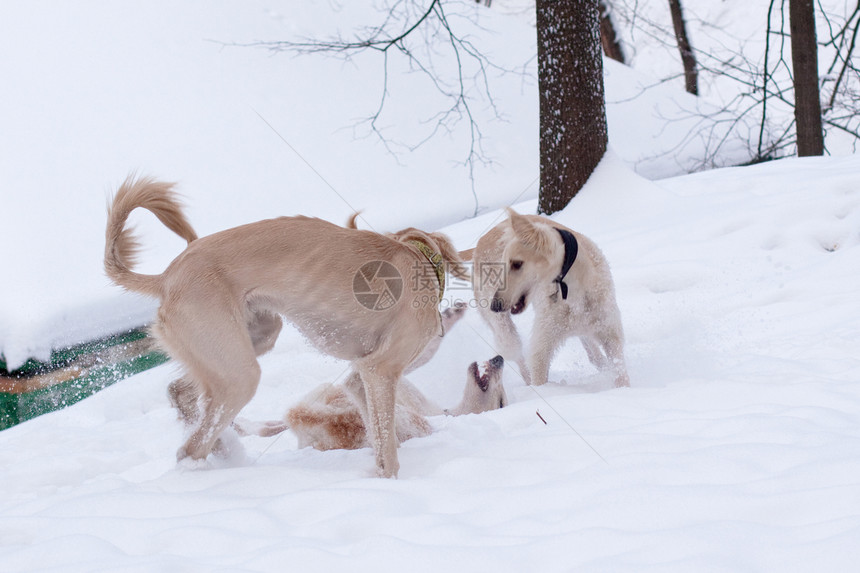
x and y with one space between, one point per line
737 448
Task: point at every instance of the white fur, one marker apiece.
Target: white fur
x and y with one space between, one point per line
532 252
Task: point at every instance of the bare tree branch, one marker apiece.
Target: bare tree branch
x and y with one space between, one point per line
763 100
409 29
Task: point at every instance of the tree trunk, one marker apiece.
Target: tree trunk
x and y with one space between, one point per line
688 59
573 135
804 57
608 37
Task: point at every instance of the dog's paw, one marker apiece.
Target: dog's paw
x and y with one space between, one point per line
186 462
228 451
451 315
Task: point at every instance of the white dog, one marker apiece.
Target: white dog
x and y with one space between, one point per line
224 296
334 416
565 277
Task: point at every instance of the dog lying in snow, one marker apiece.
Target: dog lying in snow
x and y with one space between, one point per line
333 416
223 299
565 277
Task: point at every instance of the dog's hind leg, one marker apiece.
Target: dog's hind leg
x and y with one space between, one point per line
612 341
595 354
225 394
264 328
183 395
216 349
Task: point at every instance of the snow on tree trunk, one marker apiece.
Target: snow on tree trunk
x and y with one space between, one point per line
608 37
573 135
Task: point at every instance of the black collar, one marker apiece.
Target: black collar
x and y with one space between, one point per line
571 248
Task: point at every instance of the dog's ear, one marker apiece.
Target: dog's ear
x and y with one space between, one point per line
527 232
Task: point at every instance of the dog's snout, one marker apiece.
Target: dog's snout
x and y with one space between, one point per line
497 304
497 362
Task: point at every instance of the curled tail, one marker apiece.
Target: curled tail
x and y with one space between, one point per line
122 247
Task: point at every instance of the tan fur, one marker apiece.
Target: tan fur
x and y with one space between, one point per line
122 247
183 396
223 299
351 222
329 428
332 416
446 249
467 254
590 311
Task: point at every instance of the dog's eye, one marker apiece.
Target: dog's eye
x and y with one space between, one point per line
516 265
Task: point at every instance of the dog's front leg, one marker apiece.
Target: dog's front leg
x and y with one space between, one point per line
380 388
547 336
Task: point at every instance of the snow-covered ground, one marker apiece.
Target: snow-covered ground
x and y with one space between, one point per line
737 448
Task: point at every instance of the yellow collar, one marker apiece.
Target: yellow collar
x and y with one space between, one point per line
435 260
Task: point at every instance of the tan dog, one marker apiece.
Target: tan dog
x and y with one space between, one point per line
565 277
222 300
334 416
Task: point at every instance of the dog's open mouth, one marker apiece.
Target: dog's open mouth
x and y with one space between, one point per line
491 368
519 306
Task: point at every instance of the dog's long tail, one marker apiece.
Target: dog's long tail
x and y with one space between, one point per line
122 247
